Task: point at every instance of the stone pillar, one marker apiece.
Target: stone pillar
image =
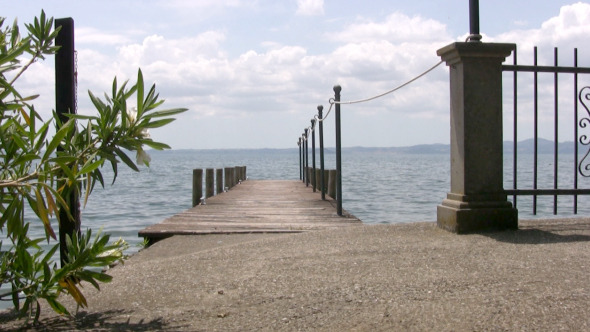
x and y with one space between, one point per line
477 200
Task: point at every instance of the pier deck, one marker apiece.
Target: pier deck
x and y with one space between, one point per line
256 206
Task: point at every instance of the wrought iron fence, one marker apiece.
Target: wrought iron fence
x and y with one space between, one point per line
581 166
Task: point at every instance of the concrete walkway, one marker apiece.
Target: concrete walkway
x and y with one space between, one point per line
408 277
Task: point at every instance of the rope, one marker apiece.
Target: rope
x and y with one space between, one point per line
333 102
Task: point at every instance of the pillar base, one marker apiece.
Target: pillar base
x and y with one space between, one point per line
460 214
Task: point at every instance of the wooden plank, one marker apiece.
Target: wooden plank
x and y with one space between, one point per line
265 206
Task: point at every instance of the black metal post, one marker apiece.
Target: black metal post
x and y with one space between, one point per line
65 101
300 167
313 177
474 35
337 90
303 157
322 183
306 158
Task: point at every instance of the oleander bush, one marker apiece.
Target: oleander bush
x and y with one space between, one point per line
44 162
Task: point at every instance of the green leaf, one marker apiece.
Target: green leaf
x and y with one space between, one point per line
90 166
156 124
98 104
81 117
164 113
57 139
50 253
44 215
26 158
126 160
56 306
63 160
155 145
139 93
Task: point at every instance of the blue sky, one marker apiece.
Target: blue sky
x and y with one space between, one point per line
253 71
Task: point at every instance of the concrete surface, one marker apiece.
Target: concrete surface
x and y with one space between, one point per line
405 277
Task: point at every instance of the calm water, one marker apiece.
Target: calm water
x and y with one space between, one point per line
378 187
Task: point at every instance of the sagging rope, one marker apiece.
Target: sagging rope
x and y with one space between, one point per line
388 92
333 102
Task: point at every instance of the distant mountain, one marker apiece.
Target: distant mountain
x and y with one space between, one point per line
415 149
526 146
543 146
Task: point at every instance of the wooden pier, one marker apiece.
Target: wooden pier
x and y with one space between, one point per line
263 206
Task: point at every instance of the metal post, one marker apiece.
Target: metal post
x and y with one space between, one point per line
313 175
337 90
474 35
322 178
303 155
306 159
65 103
300 167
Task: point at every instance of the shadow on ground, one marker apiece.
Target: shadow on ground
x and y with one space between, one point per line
545 232
99 321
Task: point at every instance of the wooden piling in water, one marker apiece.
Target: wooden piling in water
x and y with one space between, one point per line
197 186
243 175
213 177
236 174
227 175
219 180
209 182
332 183
317 178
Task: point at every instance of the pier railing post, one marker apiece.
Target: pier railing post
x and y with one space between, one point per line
197 186
300 168
337 90
322 178
303 157
313 176
306 158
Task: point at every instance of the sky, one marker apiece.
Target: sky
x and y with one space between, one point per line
252 72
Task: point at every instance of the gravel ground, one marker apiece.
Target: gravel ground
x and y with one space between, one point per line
412 277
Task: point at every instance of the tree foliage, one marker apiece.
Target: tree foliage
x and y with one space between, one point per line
38 170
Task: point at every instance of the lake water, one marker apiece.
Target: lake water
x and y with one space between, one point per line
378 186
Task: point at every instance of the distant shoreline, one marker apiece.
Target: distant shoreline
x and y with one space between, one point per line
544 146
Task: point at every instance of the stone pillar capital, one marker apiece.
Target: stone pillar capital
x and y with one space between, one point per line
455 52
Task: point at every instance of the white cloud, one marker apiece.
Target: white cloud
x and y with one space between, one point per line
310 7
284 79
92 36
202 4
397 27
566 30
198 71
